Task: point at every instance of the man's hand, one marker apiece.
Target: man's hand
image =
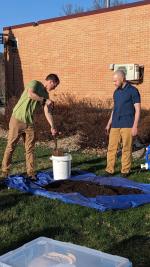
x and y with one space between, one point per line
54 131
134 131
107 129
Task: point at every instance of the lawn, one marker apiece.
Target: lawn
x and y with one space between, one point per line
24 217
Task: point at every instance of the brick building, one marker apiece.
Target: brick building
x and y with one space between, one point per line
80 48
2 79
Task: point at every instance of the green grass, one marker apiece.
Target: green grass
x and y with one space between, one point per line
24 217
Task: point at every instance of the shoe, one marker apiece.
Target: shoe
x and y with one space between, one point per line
107 174
32 178
125 174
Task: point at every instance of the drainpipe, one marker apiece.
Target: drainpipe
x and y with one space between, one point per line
107 3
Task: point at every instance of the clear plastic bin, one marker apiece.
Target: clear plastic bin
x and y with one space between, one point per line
46 252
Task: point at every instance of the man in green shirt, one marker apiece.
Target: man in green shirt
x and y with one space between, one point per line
21 122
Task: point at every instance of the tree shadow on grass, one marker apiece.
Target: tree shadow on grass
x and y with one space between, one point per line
37 157
94 169
136 249
90 161
50 232
91 165
10 199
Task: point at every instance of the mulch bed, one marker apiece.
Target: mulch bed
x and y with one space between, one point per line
89 189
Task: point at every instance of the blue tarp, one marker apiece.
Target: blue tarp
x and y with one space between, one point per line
101 203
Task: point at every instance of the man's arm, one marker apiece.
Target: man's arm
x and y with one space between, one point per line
50 120
107 129
136 118
34 96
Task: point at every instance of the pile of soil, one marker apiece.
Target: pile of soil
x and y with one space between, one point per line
58 152
89 189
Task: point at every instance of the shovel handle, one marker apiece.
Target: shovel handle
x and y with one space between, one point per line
55 142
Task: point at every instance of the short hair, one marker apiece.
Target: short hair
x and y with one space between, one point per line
53 77
120 73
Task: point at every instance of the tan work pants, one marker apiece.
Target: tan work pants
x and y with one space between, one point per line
16 130
116 136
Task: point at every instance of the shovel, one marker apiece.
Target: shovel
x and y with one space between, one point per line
57 152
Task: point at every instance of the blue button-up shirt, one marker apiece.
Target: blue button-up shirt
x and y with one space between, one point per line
124 111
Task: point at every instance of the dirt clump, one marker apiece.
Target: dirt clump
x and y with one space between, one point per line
58 153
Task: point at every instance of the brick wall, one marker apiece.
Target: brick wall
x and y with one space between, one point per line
81 47
2 79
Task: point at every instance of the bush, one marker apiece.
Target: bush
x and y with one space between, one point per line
86 117
144 127
72 116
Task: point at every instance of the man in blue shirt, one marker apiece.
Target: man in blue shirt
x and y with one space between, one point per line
123 123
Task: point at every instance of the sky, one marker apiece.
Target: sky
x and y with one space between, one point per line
18 12
14 12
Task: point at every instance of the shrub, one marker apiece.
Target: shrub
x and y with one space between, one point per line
144 127
71 115
87 117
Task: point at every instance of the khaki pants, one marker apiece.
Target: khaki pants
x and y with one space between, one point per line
16 130
118 135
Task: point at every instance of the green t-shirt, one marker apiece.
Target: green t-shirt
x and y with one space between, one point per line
24 109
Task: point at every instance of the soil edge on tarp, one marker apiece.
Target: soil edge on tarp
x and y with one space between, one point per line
89 189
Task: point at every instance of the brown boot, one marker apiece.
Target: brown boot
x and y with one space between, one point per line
32 177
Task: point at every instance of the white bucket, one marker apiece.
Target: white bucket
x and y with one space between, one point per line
61 166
